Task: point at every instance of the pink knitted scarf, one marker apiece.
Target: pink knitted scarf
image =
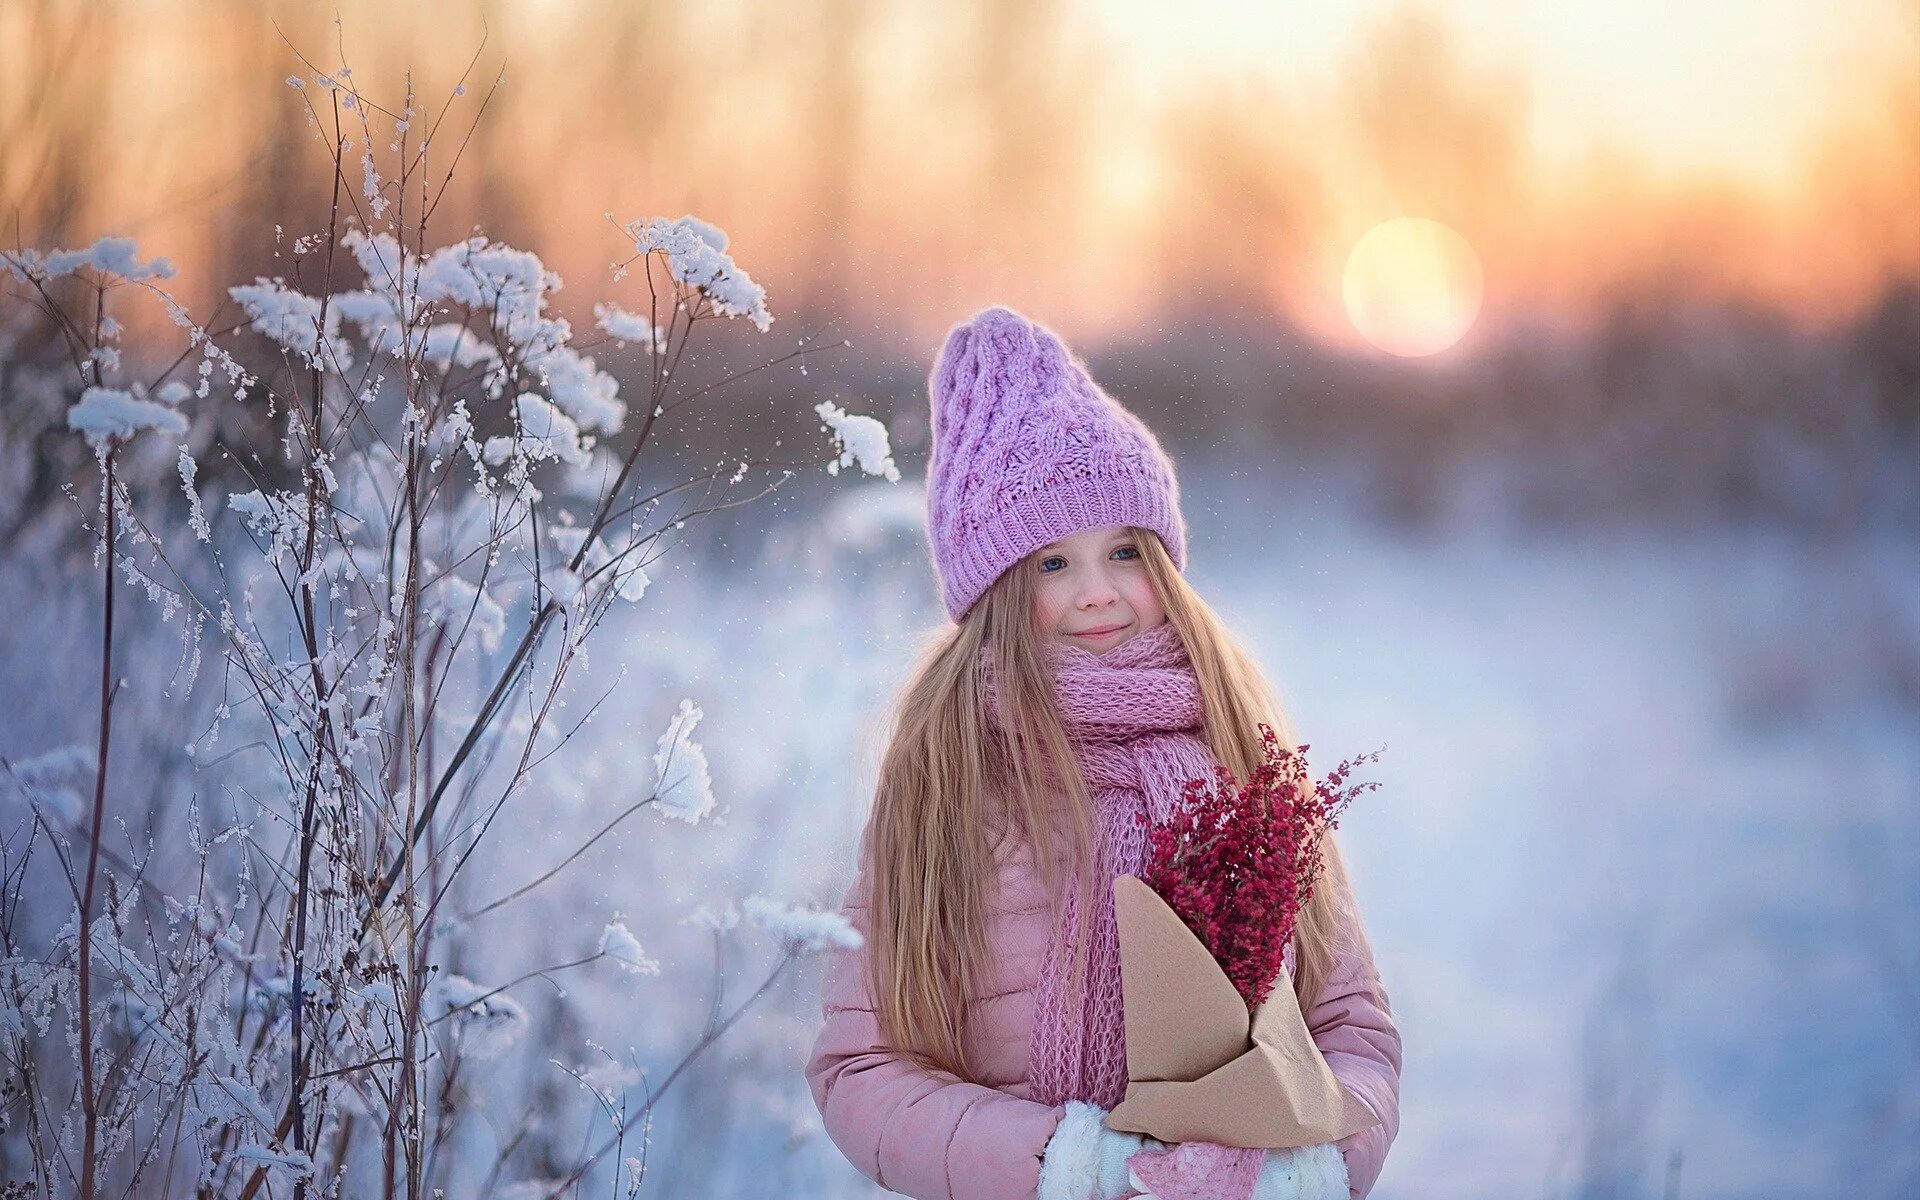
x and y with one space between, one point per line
1134 717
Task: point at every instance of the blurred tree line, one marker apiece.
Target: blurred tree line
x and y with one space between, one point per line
890 168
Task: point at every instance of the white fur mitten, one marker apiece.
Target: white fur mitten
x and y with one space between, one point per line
1303 1173
1085 1160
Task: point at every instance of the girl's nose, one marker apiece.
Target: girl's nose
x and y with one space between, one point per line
1098 593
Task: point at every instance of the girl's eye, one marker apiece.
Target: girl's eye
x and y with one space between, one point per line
1131 552
1051 558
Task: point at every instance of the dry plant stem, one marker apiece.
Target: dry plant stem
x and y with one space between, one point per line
712 1034
520 771
537 973
696 480
739 375
562 865
308 631
527 763
89 1100
293 1121
509 676
412 725
497 697
10 891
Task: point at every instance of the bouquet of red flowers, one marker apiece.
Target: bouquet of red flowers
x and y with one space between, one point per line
1217 1048
1239 863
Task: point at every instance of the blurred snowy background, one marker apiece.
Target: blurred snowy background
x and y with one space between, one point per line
1609 534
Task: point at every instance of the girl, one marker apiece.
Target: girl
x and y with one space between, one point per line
973 1046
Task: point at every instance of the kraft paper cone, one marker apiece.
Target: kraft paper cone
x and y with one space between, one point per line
1199 1067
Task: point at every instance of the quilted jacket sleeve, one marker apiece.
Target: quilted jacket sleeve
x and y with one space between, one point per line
1352 1024
931 1136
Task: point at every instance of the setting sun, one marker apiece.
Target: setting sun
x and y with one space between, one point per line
1412 286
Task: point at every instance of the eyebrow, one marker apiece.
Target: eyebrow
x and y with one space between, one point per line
1122 536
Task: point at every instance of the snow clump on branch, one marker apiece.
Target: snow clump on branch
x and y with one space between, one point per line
861 439
105 415
804 929
618 943
108 255
697 254
684 789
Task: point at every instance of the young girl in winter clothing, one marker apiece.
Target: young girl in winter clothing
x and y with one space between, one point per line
973 1046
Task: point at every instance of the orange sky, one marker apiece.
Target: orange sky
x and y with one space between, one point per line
1085 159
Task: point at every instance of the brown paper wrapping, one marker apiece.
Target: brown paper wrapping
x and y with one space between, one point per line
1199 1066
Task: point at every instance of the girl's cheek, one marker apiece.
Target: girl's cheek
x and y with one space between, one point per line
1046 599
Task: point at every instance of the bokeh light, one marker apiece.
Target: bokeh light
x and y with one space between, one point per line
1412 286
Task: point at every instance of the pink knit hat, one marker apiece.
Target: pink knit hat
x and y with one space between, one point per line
1026 450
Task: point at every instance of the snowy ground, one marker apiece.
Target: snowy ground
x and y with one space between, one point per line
1643 873
1642 878
1645 870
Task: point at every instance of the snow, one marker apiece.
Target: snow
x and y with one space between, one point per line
696 254
720 918
630 580
262 516
626 326
456 600
490 275
370 186
545 432
112 256
293 319
861 439
105 415
247 1100
280 517
451 344
619 944
379 257
684 789
196 515
299 1164
589 395
488 1025
802 928
508 286
866 515
56 781
480 276
565 585
376 314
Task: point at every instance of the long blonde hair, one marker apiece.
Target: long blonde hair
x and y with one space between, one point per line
950 784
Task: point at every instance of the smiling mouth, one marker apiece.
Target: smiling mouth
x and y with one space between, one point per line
1100 632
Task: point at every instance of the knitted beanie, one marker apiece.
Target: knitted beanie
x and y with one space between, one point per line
1028 449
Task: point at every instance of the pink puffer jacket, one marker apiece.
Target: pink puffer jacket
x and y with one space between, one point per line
937 1137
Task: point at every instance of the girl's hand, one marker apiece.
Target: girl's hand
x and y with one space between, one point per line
1085 1160
1303 1173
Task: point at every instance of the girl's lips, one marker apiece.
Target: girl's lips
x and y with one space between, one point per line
1099 633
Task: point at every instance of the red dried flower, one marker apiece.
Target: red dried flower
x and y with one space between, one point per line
1238 862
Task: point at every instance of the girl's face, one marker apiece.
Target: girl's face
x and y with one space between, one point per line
1091 589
